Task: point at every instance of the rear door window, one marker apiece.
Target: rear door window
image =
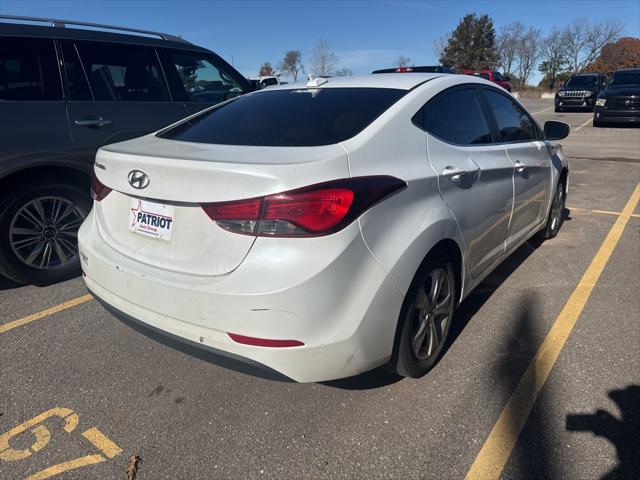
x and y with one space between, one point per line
28 70
455 116
197 77
304 117
123 72
514 125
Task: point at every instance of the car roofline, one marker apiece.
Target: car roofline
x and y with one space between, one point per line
129 36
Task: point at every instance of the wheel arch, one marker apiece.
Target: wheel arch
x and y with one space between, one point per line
66 174
448 247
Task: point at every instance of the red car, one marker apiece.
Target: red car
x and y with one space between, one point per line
493 76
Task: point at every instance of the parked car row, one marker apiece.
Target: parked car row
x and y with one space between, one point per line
269 229
615 100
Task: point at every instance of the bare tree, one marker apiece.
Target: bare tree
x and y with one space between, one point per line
291 64
552 57
527 53
343 72
509 38
584 40
403 61
323 60
440 43
266 70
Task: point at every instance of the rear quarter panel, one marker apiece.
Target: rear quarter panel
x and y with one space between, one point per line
402 229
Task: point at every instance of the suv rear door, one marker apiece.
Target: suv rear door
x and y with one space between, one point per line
114 92
32 114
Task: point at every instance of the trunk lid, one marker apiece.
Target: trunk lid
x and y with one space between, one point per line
181 176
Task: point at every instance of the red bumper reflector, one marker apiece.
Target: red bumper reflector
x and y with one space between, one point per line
264 342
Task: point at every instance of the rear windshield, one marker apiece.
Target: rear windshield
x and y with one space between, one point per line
582 82
305 117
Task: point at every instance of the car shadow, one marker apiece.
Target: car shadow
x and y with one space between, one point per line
8 284
623 432
380 377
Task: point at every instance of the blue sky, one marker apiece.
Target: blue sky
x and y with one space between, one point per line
364 34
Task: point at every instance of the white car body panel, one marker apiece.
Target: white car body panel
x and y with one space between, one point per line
339 294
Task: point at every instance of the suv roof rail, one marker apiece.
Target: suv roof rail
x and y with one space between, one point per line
57 23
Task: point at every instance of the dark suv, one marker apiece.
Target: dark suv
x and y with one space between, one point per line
65 92
580 92
620 102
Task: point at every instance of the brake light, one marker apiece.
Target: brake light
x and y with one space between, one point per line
98 189
317 210
404 69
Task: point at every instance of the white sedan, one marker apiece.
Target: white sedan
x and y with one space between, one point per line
315 231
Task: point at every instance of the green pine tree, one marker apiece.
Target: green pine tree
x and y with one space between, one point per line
472 44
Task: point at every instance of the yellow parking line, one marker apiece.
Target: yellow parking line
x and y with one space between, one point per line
584 124
542 111
497 448
44 313
608 212
603 212
66 466
101 442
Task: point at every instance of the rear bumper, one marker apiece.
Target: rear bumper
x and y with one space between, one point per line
344 310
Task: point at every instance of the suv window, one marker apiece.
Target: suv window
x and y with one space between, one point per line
513 123
195 78
497 76
456 116
301 118
28 70
123 73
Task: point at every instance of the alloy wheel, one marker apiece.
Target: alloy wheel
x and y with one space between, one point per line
43 233
431 313
556 208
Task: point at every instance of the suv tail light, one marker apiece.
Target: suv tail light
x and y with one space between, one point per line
98 189
312 211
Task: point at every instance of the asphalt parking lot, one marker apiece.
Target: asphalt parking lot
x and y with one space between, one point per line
100 392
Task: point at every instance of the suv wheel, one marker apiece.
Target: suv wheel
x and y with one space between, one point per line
38 231
425 318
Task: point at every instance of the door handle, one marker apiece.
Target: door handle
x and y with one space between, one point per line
520 167
454 173
97 122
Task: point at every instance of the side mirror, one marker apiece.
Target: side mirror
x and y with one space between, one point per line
556 130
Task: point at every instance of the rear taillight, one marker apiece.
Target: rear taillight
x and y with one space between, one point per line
404 70
98 189
311 211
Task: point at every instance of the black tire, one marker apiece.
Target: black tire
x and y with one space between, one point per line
410 359
556 213
31 218
596 123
